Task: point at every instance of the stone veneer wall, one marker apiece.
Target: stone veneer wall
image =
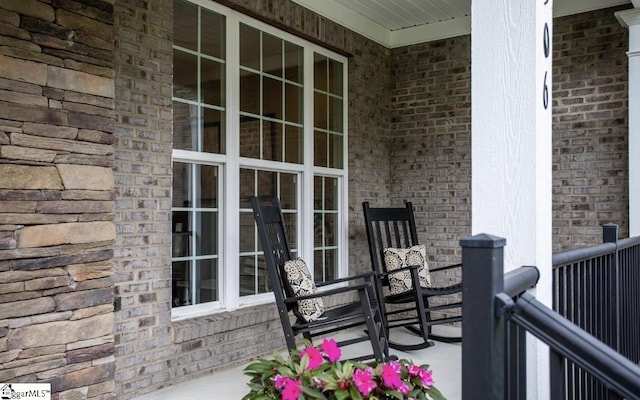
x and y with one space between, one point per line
151 350
56 196
430 147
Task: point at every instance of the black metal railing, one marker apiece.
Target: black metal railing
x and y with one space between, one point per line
596 288
629 263
498 311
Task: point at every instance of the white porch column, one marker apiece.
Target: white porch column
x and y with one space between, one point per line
511 143
631 20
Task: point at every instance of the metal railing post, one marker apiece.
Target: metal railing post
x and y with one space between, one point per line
483 343
557 368
610 235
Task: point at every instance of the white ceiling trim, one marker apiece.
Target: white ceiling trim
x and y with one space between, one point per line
430 32
564 8
434 31
349 19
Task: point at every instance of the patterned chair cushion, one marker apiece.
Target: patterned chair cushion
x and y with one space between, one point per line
300 281
396 258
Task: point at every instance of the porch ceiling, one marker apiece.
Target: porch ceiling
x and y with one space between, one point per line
403 22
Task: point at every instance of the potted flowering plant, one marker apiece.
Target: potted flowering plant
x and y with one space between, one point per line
318 373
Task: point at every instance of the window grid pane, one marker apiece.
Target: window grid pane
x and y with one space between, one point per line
325 228
194 226
328 113
266 185
271 90
198 79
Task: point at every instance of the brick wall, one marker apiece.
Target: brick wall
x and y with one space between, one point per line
431 142
430 147
56 196
369 126
142 61
590 128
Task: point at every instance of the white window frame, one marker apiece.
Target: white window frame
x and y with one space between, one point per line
230 163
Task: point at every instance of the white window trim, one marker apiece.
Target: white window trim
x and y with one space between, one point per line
229 165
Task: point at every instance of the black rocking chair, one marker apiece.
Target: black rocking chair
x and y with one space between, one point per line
363 311
392 229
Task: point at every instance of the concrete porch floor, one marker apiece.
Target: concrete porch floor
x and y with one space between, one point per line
445 360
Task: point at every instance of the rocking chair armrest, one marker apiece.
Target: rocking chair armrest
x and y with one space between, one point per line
441 291
407 268
343 289
413 271
445 268
364 276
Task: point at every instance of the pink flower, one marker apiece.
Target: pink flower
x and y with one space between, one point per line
315 357
404 388
425 376
281 381
292 390
391 375
414 370
364 382
331 349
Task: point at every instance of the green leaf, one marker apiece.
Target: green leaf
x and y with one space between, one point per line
286 371
304 364
313 392
347 370
420 395
258 367
331 386
359 364
435 393
395 394
327 378
342 394
355 394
